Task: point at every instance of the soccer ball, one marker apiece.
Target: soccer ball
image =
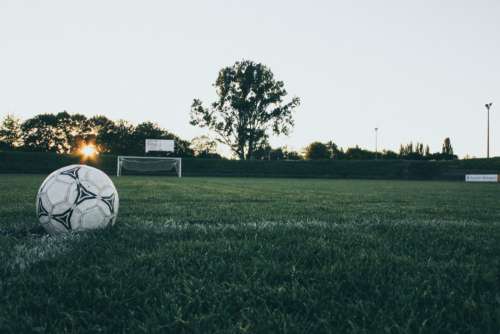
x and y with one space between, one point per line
76 198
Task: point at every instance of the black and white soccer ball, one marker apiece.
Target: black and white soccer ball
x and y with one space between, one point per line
76 198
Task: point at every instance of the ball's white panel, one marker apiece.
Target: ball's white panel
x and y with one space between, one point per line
44 219
94 218
65 179
55 227
48 226
47 183
90 186
107 191
48 179
104 207
45 201
73 193
76 219
97 177
85 205
57 191
61 207
112 220
117 205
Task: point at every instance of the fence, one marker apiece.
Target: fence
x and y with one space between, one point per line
43 163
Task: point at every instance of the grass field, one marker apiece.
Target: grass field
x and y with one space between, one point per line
258 255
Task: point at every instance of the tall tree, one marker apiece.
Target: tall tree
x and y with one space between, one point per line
357 153
249 107
266 152
334 150
204 147
61 132
10 132
72 130
317 151
389 155
419 149
98 122
447 148
402 150
40 133
116 137
292 155
427 152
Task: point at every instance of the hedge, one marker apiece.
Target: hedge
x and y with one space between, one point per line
43 163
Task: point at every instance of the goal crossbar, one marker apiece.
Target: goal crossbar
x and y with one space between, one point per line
148 164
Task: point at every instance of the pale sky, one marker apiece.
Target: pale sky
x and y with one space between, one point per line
419 70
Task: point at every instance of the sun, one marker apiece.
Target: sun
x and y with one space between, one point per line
88 151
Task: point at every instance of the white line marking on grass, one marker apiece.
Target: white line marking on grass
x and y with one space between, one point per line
170 224
173 225
38 249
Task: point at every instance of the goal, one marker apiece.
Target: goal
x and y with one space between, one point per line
148 164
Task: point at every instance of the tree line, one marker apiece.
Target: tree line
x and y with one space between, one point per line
329 150
251 106
67 133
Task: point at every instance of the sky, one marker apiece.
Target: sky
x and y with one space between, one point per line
418 70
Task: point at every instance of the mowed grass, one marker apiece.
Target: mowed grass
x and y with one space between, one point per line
258 255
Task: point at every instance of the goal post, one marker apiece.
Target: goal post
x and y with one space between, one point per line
148 164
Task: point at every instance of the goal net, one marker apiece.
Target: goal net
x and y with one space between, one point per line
148 165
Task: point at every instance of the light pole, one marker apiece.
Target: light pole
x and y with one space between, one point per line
376 143
488 106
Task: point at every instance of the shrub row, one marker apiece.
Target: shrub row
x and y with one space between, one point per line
38 162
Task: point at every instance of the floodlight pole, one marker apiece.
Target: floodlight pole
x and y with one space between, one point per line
488 106
376 143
